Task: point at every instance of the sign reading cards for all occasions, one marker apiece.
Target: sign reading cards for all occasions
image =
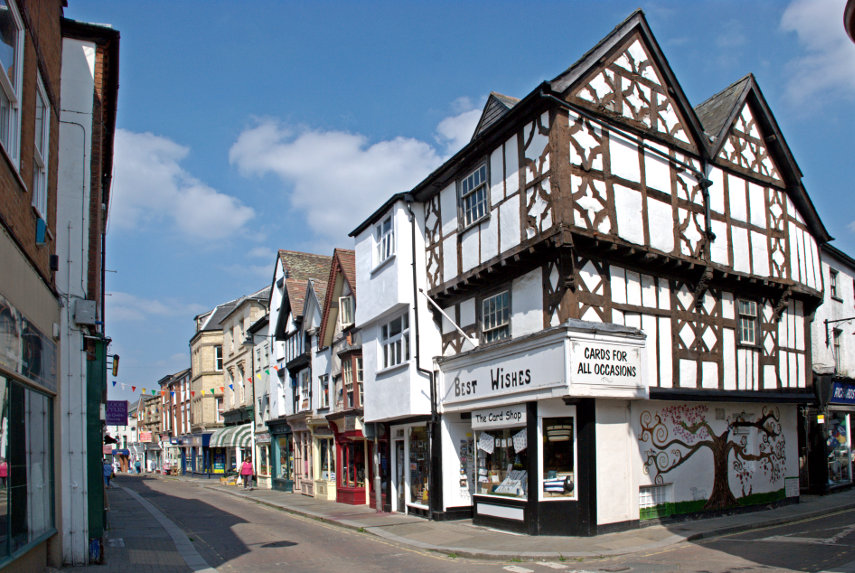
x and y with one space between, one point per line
597 363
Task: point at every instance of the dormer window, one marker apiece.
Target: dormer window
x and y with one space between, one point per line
473 196
345 311
384 236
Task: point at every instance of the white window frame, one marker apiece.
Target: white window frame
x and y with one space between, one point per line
496 316
218 358
833 286
10 94
347 381
837 350
394 348
474 196
359 379
40 156
345 311
747 322
384 240
324 383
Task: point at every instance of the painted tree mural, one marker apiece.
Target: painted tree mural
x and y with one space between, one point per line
745 441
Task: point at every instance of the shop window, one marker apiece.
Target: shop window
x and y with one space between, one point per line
559 467
325 453
495 317
353 465
263 460
839 453
747 322
419 466
286 459
502 462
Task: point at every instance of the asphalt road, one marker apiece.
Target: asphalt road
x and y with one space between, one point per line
233 534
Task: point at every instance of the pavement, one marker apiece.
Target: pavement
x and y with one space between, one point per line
140 539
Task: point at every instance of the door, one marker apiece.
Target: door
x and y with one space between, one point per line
399 476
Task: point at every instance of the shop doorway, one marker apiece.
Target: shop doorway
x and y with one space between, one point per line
400 486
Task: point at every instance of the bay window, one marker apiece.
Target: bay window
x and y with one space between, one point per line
395 341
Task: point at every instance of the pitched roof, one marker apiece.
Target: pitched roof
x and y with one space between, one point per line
296 289
717 110
304 266
217 315
344 263
496 107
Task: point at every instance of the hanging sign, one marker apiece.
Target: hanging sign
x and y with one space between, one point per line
117 413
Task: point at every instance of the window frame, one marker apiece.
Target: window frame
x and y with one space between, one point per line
218 358
384 240
386 340
41 156
834 284
482 190
747 316
12 89
346 319
324 385
483 330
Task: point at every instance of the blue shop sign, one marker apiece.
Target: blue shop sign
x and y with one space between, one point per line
842 393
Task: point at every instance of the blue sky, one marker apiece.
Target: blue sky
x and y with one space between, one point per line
253 126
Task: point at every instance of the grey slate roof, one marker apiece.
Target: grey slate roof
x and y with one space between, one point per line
717 112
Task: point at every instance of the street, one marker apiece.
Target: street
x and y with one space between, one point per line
234 534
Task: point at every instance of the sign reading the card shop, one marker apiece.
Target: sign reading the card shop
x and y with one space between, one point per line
505 417
596 363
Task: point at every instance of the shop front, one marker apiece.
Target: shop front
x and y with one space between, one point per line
281 456
410 488
830 425
199 455
352 458
302 441
262 460
229 447
323 459
518 428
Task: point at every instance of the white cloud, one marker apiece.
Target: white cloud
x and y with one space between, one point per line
456 131
827 70
338 178
261 253
151 187
122 306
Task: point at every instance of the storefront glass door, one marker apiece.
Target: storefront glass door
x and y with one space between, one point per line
399 475
839 453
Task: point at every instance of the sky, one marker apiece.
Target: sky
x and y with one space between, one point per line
247 127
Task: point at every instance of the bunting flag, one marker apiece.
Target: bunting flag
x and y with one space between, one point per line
192 392
267 371
231 386
173 393
114 383
249 380
123 385
222 389
258 375
133 388
153 392
212 390
163 392
144 391
276 368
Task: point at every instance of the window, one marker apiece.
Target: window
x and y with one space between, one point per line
559 479
11 56
219 408
832 284
473 196
395 341
747 322
218 358
325 391
495 317
384 235
345 311
359 379
347 378
502 462
303 390
40 151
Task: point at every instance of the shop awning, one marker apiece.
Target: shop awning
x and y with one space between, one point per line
231 437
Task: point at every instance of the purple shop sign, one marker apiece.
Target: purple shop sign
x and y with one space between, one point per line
117 412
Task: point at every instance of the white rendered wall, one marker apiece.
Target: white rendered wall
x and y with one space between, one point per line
618 462
835 309
72 226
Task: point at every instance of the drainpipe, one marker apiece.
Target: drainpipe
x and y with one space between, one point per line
408 201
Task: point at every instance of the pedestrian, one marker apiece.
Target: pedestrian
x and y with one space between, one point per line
138 466
108 472
246 473
4 472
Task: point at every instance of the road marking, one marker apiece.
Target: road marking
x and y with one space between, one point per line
184 546
552 565
515 569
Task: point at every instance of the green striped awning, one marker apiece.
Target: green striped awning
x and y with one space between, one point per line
231 437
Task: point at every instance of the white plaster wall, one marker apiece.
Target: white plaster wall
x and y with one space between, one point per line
660 218
716 190
657 169
72 242
741 250
454 431
760 254
736 193
509 217
628 209
693 480
624 158
618 462
757 204
832 309
719 247
527 304
448 209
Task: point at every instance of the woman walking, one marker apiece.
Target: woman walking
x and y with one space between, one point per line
246 473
